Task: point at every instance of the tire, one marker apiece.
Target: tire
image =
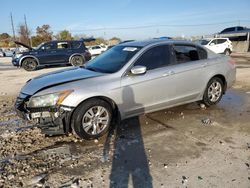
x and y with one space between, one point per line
213 92
227 52
29 64
86 119
77 60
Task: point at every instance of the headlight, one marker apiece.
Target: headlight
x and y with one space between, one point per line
47 100
18 55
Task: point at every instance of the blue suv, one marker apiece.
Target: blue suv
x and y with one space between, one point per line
52 53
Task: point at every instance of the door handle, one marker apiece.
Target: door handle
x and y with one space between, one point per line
168 73
53 52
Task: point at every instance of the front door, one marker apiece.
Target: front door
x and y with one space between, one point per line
143 93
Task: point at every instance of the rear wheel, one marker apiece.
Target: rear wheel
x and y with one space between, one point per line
227 52
92 119
29 64
77 60
213 92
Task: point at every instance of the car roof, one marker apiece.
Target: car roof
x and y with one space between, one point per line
144 43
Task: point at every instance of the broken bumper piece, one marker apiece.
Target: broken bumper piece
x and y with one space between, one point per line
51 120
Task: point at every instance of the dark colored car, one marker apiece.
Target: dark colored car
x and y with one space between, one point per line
236 29
52 53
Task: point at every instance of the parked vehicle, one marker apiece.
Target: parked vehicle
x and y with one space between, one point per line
236 29
96 50
7 52
104 47
218 45
126 80
52 53
2 54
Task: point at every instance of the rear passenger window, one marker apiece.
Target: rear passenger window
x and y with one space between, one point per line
185 54
220 41
155 57
202 53
62 45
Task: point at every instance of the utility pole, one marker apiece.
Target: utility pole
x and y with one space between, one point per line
26 28
12 25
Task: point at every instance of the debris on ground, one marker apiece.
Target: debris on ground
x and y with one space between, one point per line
184 180
203 106
200 178
248 145
165 165
206 121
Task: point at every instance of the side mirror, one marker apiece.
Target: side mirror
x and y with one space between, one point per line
138 70
212 44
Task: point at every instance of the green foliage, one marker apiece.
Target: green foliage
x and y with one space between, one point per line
43 34
5 40
64 35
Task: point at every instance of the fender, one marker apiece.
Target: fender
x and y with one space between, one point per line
28 56
77 54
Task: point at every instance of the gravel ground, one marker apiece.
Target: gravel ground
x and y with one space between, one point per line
186 146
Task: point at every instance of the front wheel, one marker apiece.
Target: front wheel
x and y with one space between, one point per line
213 92
92 119
29 64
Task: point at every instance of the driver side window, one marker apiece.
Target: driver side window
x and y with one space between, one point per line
155 57
49 46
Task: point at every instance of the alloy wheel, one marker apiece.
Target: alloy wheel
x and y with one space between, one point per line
95 120
214 91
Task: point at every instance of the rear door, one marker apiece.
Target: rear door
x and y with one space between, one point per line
222 45
62 52
187 74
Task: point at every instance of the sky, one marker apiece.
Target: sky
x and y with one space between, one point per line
127 19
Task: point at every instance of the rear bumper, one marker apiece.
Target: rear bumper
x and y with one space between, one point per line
51 120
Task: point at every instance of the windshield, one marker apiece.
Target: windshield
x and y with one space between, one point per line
203 42
112 60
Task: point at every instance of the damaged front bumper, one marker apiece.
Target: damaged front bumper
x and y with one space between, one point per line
53 120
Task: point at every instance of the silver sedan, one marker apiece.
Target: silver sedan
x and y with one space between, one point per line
127 80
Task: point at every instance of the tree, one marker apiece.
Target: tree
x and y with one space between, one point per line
64 35
97 41
4 36
43 34
5 39
115 39
23 34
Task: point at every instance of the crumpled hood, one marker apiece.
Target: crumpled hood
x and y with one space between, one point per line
56 78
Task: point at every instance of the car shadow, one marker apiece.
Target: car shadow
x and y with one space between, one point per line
129 161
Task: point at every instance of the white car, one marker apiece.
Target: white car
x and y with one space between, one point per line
95 50
218 45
